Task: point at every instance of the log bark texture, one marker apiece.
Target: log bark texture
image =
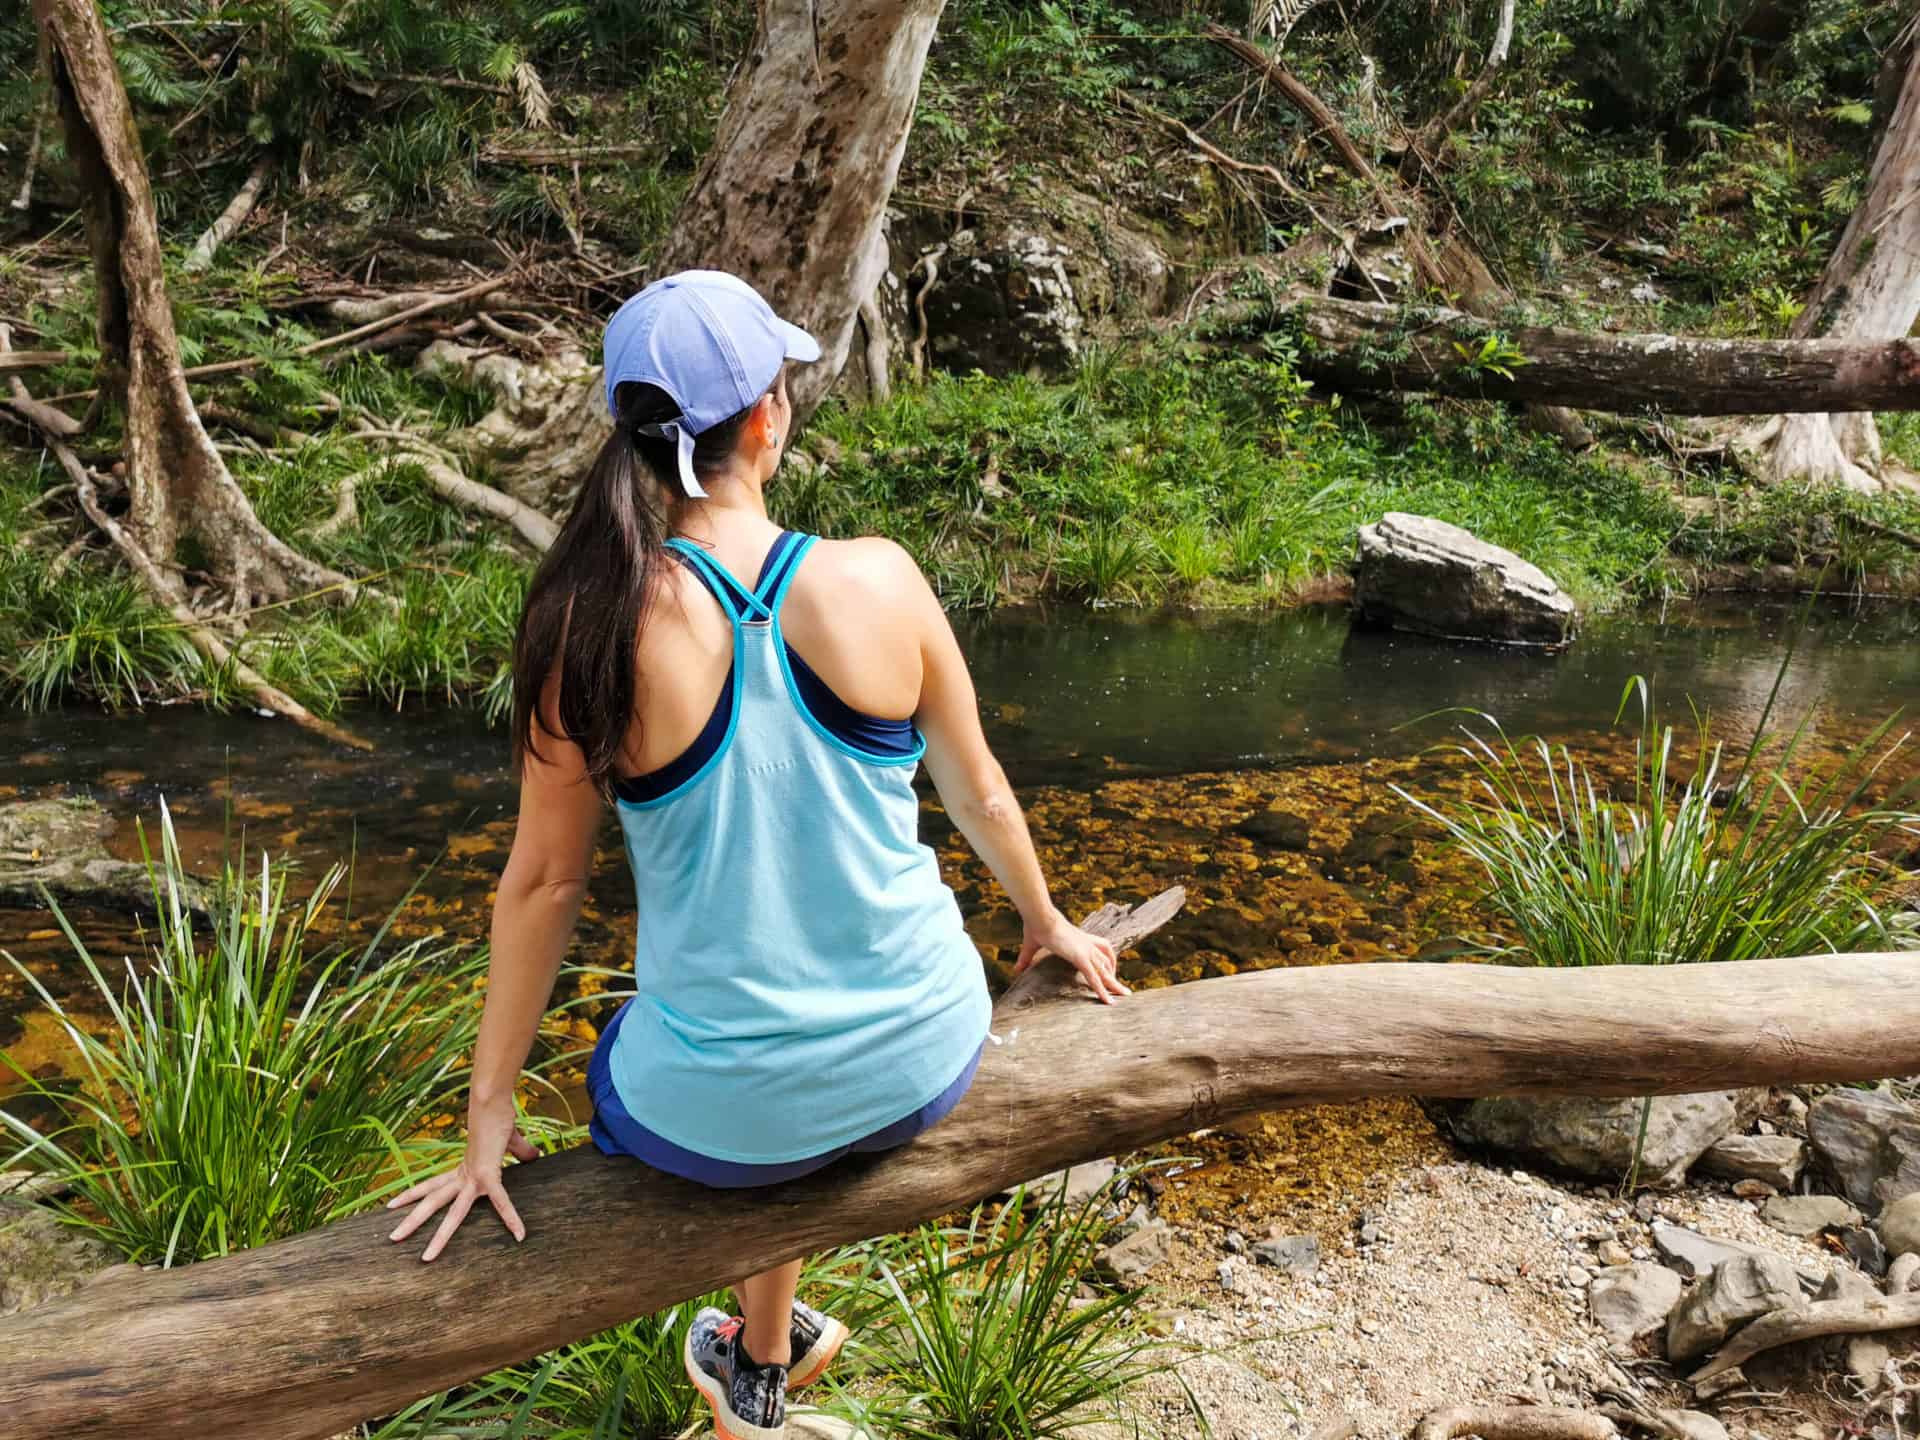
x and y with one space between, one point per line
1359 346
1869 290
794 191
179 484
300 1338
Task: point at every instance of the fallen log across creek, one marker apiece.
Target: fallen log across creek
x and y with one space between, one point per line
1355 345
301 1338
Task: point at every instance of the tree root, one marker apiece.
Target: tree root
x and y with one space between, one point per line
1514 1422
1821 1318
202 637
231 218
930 262
448 481
346 509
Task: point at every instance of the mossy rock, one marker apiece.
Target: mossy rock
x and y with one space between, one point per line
58 847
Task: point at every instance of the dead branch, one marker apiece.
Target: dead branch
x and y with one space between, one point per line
33 359
1861 1316
542 155
931 263
1514 1422
1434 131
879 386
1267 172
1902 1273
231 218
23 200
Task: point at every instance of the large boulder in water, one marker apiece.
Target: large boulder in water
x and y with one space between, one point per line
1421 574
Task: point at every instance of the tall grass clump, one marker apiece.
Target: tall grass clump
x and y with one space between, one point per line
1691 863
249 1088
980 1333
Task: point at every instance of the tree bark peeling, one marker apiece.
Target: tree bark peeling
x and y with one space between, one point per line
793 193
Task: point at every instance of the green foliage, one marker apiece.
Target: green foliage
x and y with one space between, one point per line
1691 863
982 1337
248 1088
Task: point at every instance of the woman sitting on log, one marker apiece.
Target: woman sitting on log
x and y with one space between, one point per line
804 986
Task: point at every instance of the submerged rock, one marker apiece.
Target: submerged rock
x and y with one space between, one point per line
1424 575
1869 1143
1596 1138
61 844
42 1259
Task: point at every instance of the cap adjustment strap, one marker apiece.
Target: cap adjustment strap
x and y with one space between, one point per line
677 431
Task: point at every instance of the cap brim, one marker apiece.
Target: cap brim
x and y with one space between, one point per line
800 345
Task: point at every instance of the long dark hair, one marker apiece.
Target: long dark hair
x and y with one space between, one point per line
592 594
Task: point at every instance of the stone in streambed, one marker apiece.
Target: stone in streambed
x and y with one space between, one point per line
1421 574
1775 1160
42 1259
1808 1214
1128 1262
61 844
1741 1289
1597 1138
1869 1143
1900 1225
1075 1185
1629 1301
1296 1254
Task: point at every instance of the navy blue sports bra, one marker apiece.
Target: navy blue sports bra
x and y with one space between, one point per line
869 734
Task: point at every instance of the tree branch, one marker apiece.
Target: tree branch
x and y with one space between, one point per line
1434 131
231 218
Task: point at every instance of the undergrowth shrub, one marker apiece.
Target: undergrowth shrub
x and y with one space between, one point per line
252 1083
1770 855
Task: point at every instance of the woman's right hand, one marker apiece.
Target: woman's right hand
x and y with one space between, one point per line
493 1132
1093 957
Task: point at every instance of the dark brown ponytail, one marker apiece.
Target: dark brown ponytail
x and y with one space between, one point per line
590 597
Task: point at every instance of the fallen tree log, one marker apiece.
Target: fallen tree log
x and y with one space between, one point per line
1353 345
300 1338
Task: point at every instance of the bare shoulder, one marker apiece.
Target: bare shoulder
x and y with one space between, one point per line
871 567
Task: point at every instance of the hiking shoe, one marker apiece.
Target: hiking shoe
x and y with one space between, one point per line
749 1400
817 1339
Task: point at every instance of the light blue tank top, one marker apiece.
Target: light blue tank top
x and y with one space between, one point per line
803 975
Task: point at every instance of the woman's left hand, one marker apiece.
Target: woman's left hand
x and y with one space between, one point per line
491 1136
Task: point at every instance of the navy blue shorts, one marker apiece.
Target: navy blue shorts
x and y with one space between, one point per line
618 1133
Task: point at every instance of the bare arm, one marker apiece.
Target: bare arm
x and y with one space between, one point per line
982 805
534 910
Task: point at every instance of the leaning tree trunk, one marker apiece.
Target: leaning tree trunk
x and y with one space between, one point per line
178 483
1869 290
792 195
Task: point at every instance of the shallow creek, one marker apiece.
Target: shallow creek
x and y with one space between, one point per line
1252 759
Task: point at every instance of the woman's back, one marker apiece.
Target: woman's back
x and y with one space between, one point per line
848 614
790 921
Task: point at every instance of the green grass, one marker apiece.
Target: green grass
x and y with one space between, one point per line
252 1084
1700 861
984 1334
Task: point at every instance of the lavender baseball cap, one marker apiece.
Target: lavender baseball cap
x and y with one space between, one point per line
710 341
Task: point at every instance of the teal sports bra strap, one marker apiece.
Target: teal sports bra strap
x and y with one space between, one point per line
741 604
774 586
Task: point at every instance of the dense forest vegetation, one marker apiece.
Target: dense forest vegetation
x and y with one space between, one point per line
1683 169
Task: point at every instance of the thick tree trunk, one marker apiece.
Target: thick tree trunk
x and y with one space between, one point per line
1356 346
1870 290
793 193
179 484
300 1338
